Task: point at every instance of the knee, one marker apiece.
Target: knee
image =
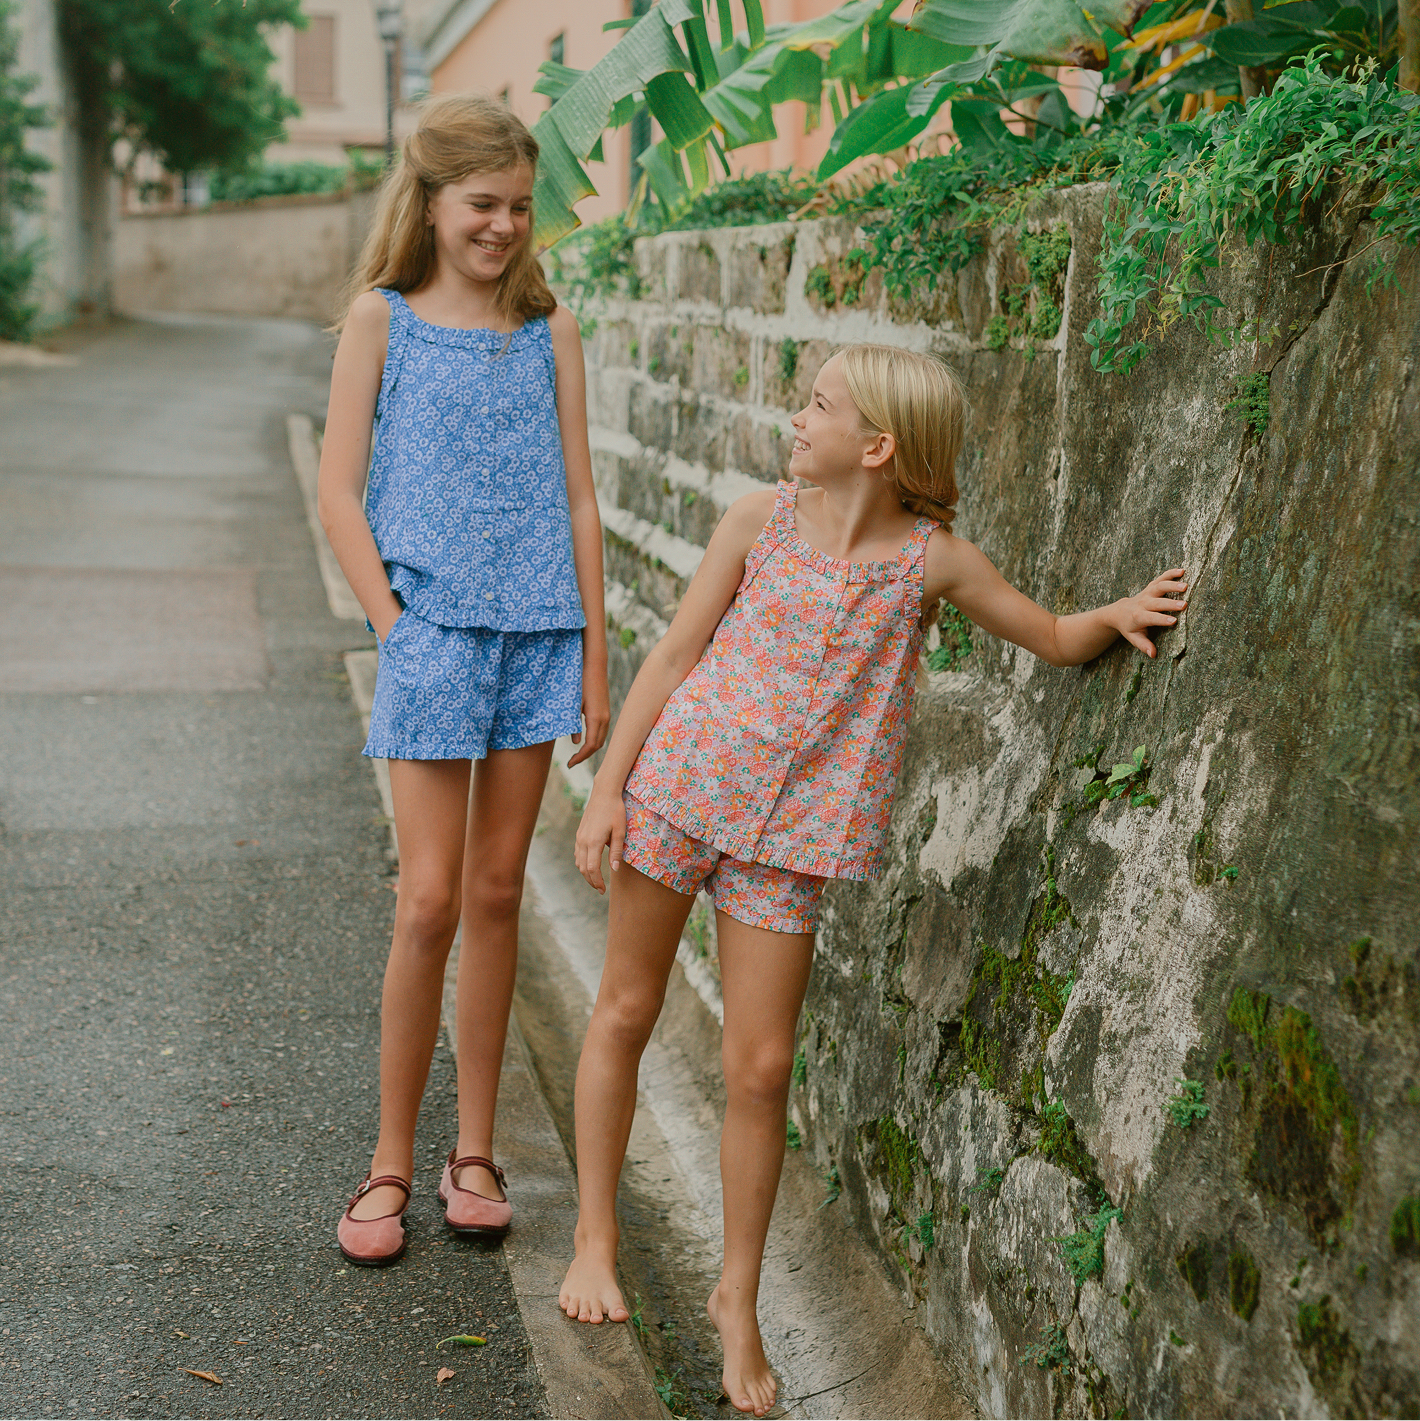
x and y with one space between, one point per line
758 1074
493 894
428 914
627 1018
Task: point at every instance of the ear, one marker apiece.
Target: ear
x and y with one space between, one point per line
879 453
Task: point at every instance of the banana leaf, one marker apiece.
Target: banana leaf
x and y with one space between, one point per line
1040 31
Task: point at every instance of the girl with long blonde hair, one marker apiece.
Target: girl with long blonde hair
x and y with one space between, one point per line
756 757
475 549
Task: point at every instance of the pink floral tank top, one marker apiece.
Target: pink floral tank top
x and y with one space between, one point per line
783 745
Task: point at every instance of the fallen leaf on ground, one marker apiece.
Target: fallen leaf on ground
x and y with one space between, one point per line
463 1339
206 1376
178 1332
444 1374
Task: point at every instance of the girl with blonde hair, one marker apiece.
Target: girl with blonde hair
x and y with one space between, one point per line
475 550
756 757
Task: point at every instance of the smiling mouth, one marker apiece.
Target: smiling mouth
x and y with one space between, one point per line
799 447
497 249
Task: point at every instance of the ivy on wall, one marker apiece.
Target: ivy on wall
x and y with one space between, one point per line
19 190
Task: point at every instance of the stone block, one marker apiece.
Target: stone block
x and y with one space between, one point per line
651 413
669 349
651 263
720 362
790 367
758 448
702 433
757 271
698 277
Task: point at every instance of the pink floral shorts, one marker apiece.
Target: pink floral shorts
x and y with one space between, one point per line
759 894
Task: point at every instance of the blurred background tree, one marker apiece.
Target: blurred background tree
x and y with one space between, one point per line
189 83
19 192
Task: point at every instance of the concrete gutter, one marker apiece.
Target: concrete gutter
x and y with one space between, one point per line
585 1372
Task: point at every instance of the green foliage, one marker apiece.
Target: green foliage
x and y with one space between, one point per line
599 261
1060 1143
1252 403
988 1181
708 99
924 1230
19 190
788 359
835 1186
1317 143
1051 1353
898 1158
819 283
1244 1283
997 333
1307 1136
1083 1251
801 1068
1405 1227
956 643
792 1136
1187 1106
671 1390
190 82
281 179
1325 1345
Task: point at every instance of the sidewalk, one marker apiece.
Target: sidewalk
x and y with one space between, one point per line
194 910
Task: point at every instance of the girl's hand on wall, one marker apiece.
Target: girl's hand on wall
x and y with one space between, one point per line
603 823
1158 605
596 717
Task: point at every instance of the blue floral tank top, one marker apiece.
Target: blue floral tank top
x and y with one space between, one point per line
467 495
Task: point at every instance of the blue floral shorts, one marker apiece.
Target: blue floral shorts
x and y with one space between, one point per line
455 693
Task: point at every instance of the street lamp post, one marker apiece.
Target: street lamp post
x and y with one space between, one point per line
389 18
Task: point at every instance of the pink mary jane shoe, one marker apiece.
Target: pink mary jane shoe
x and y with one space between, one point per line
372 1243
467 1212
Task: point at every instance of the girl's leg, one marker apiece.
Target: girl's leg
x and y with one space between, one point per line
645 925
764 976
507 790
430 813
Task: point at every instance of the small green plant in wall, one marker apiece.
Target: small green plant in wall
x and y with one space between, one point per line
1083 1251
1051 1353
956 644
1252 403
1187 1106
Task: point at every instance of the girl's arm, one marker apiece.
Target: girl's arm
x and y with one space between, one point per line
965 576
345 458
586 528
671 660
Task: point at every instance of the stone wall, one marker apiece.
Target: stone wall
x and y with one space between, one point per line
275 256
995 1028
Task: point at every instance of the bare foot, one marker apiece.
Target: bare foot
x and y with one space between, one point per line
589 1292
747 1380
385 1199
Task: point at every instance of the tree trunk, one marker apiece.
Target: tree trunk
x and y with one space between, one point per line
90 188
1408 13
1251 81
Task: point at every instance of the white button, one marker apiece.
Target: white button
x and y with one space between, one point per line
487 533
484 410
488 597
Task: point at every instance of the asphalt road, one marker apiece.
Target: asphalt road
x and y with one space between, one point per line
195 903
